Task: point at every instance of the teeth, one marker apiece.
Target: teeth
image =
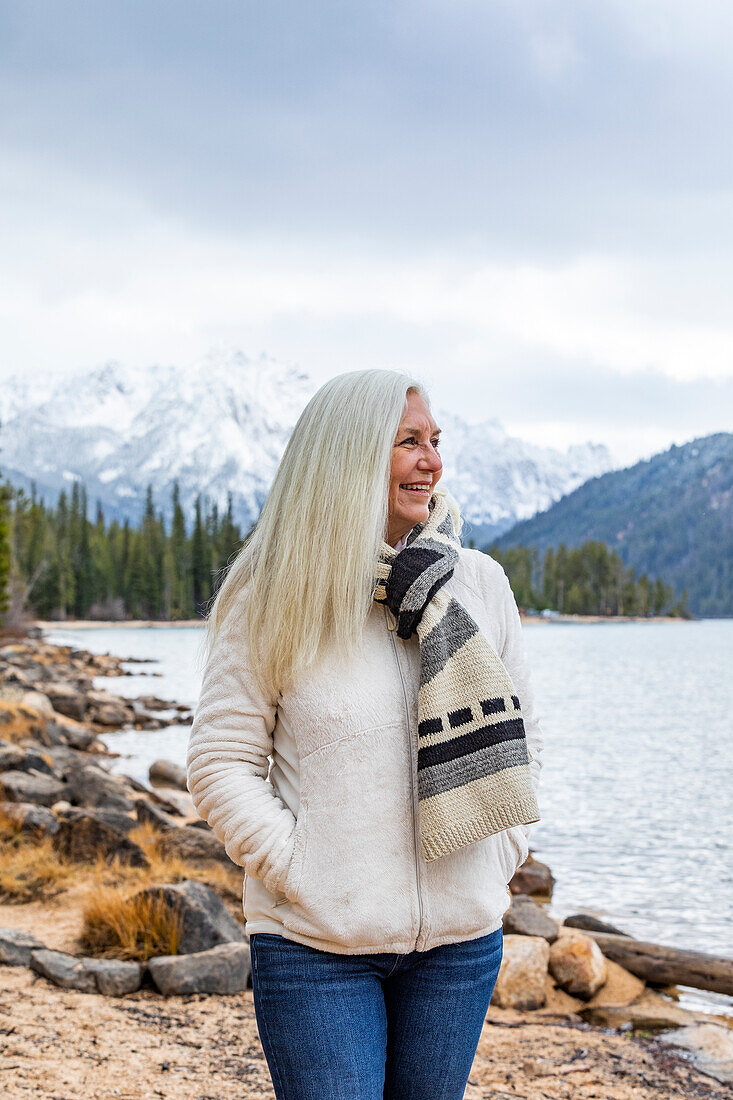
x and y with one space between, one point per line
419 486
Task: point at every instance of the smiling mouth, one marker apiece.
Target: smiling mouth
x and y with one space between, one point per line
417 490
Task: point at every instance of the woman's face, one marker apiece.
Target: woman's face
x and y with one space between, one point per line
416 468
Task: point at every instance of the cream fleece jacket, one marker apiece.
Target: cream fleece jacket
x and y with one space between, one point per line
328 833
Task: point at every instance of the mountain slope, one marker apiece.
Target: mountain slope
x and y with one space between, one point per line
670 516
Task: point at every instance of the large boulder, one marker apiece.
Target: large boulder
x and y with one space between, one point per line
111 977
522 979
194 845
16 946
205 920
84 837
222 969
43 790
577 964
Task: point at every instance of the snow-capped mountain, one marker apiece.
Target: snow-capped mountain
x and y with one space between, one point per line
221 425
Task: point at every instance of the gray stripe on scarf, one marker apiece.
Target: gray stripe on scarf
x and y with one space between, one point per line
464 769
447 636
414 598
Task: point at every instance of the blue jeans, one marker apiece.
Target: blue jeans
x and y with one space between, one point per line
371 1027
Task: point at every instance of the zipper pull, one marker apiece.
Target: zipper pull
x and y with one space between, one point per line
391 620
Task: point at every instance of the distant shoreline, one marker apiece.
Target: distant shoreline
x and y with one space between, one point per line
92 624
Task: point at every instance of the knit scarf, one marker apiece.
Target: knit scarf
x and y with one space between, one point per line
472 764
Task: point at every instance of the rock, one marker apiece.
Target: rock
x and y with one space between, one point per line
16 946
620 988
10 758
585 920
116 820
78 736
112 977
523 973
526 918
44 790
84 837
36 820
169 774
711 1046
577 964
194 845
25 678
107 710
22 760
65 970
67 700
148 813
650 1012
38 701
533 878
173 802
222 969
67 760
205 920
111 715
153 702
200 824
90 786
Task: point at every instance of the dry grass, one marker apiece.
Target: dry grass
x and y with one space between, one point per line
121 925
30 868
116 923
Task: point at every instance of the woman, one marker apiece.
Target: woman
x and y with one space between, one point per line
381 667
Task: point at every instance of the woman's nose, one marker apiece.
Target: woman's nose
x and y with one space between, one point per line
430 459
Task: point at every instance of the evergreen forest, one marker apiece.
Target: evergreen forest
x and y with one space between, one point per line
56 564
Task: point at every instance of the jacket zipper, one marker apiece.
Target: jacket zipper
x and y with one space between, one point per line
391 624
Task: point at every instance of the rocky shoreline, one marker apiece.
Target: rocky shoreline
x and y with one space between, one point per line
113 892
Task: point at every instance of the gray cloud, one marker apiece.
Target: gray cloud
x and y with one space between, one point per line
539 128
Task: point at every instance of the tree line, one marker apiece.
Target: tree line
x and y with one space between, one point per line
64 566
57 564
585 580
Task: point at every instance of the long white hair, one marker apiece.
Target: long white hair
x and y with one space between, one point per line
308 566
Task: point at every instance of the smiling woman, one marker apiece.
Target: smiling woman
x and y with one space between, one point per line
365 746
416 468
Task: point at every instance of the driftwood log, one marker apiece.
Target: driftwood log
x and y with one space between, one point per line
667 965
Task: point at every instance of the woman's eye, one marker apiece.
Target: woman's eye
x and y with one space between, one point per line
436 443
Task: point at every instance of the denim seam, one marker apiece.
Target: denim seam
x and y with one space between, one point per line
275 1068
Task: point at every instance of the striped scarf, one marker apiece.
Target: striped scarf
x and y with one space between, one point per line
472 762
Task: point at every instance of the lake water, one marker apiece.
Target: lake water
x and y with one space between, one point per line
637 783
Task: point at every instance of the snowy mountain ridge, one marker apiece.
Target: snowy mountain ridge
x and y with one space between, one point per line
221 425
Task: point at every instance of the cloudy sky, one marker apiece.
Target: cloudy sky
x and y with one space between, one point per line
529 204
